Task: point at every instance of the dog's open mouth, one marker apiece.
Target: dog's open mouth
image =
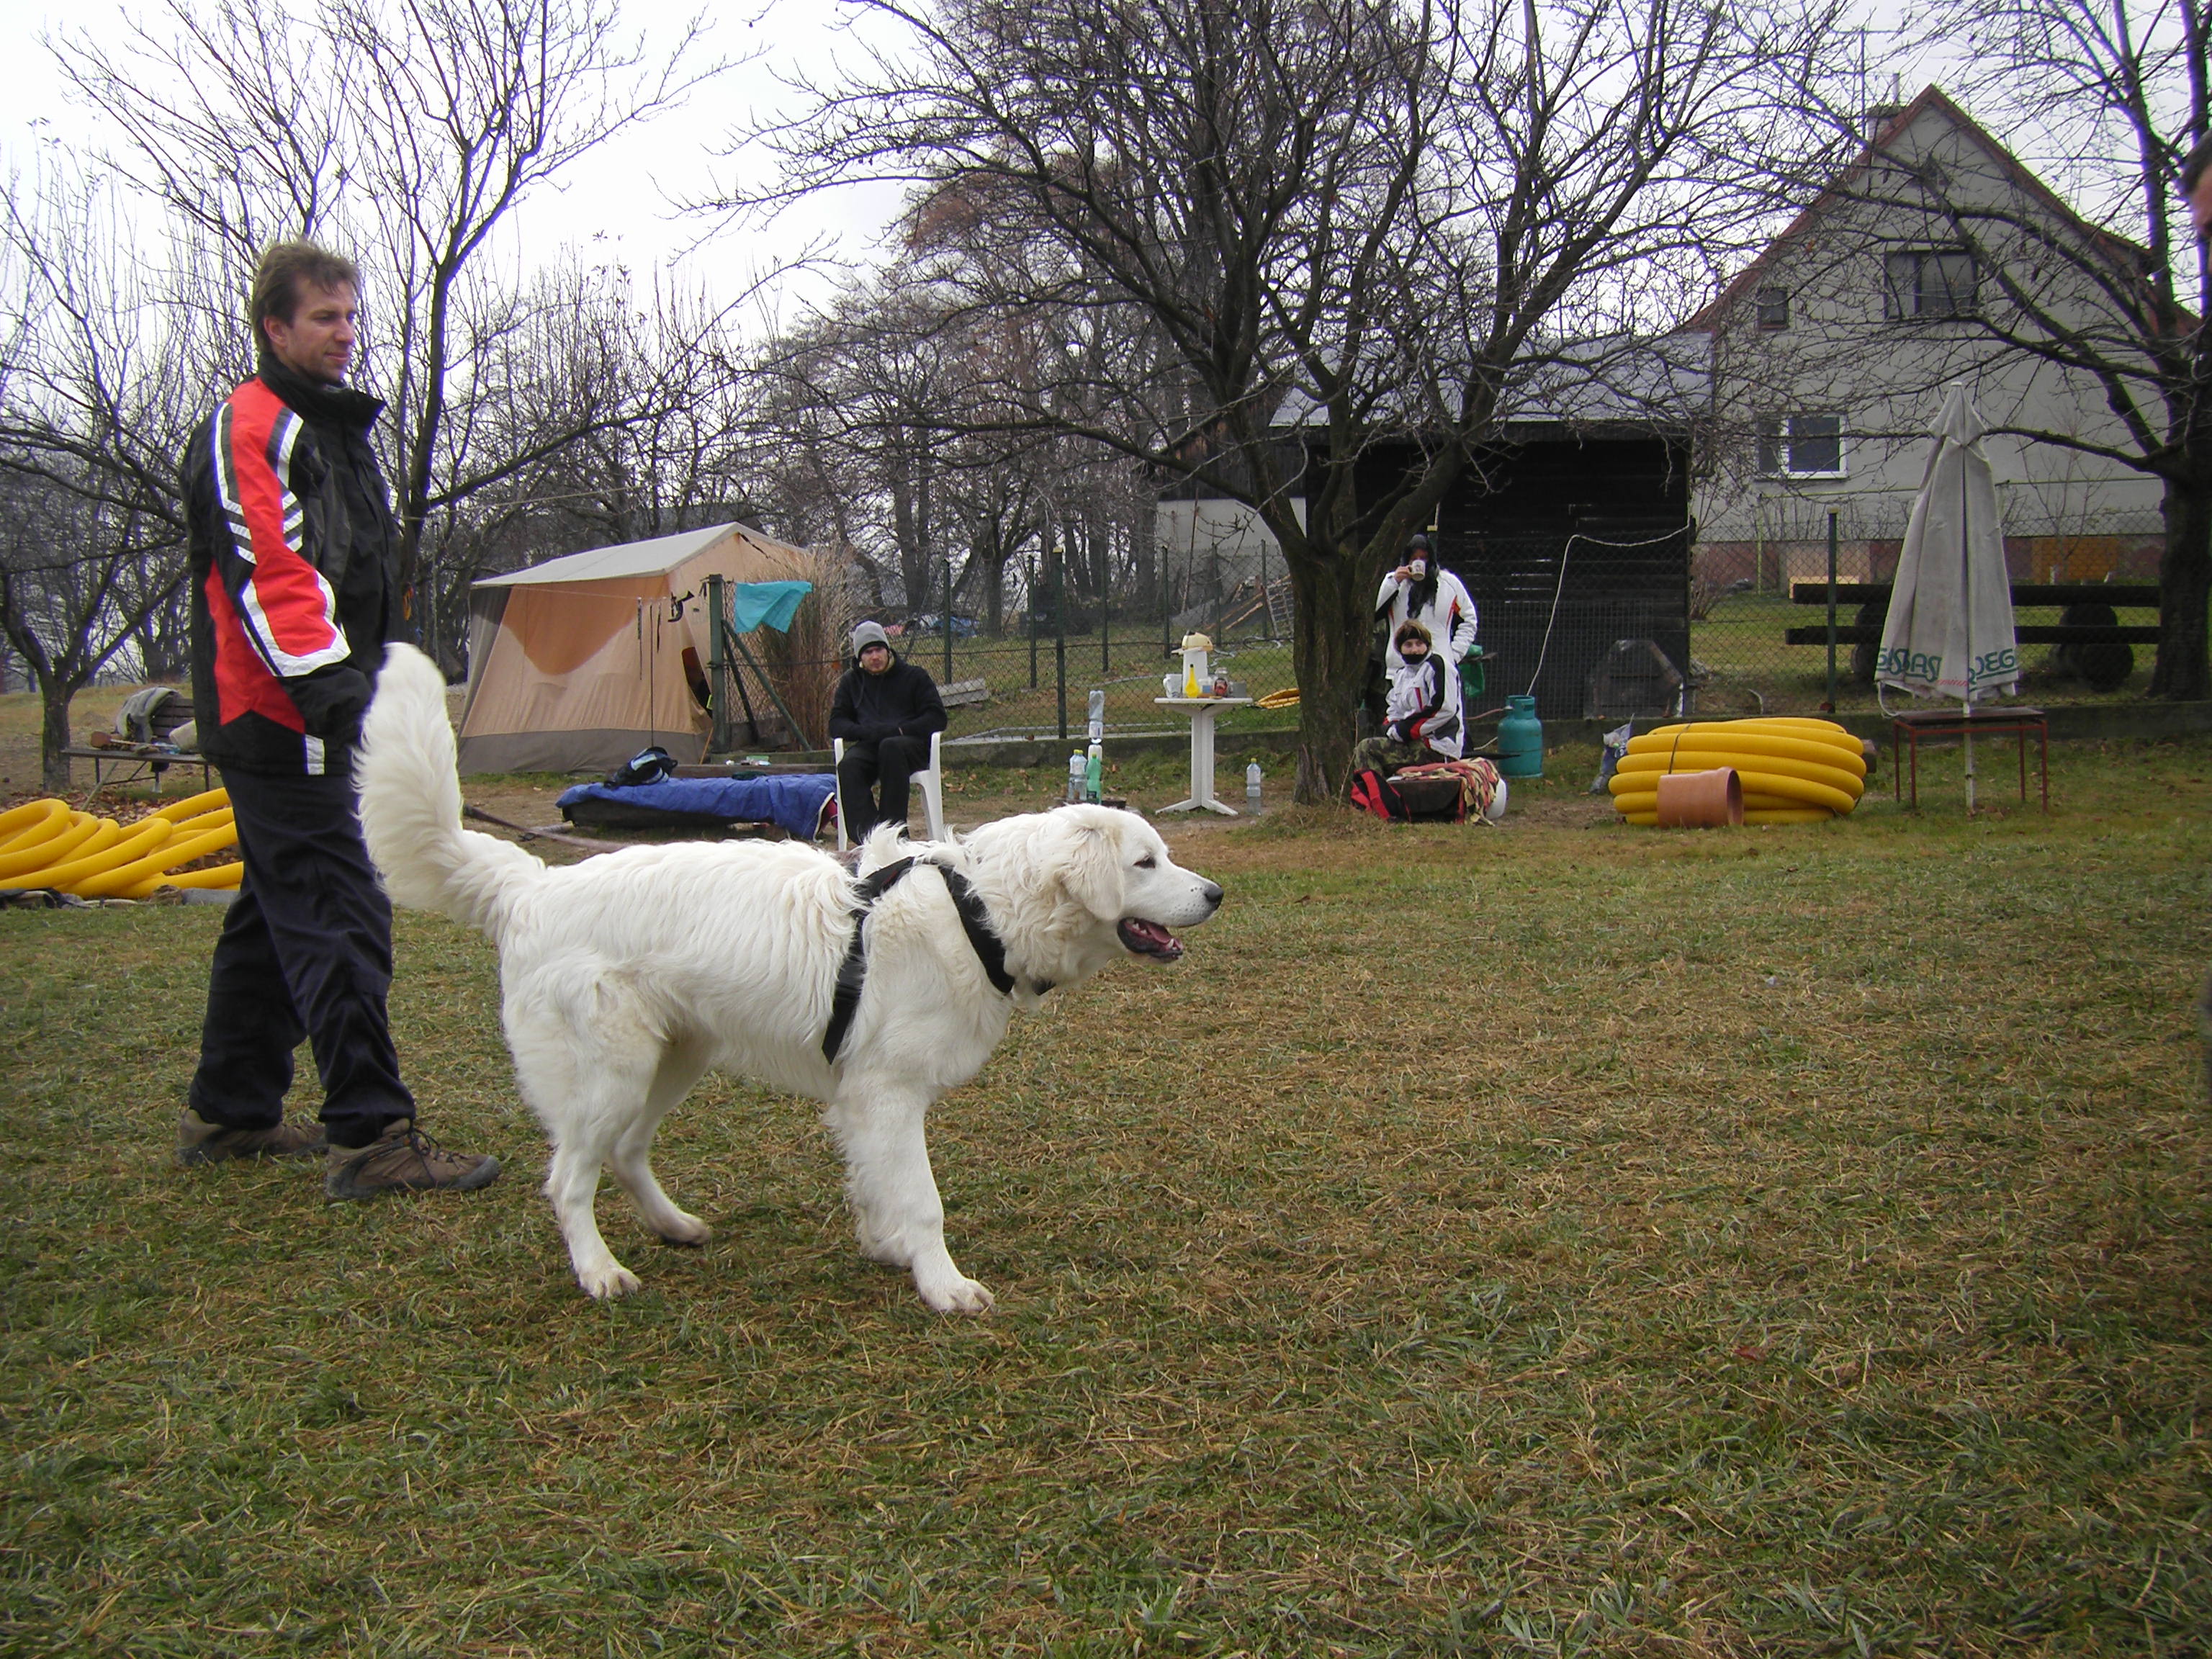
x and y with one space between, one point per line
1149 938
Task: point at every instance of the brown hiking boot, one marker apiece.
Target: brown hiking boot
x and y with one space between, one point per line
199 1141
403 1159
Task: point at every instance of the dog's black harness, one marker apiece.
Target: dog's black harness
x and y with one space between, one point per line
853 971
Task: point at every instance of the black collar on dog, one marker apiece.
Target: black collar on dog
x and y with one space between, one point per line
853 972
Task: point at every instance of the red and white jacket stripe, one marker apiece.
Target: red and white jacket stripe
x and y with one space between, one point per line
291 544
285 608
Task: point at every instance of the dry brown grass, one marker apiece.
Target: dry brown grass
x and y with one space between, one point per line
1555 1239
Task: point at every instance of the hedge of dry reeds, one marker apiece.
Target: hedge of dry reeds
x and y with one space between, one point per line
806 662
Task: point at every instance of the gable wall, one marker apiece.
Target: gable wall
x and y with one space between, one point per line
2075 515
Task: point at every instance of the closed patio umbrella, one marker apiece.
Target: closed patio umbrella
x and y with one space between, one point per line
1949 633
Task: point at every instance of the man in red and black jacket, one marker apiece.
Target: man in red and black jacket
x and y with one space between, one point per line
295 592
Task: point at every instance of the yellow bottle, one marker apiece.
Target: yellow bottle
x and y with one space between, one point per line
1189 678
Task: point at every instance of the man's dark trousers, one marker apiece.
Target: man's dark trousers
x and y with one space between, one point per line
306 950
894 760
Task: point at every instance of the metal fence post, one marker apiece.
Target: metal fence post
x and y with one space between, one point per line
1105 632
1167 592
718 681
1831 704
1032 608
1060 634
948 619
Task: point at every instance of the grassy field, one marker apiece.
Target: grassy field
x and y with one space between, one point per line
1561 1239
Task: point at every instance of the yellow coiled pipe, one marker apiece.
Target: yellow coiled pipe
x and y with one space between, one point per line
1792 770
35 851
44 844
111 853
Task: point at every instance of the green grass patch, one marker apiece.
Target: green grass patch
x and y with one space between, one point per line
1562 1239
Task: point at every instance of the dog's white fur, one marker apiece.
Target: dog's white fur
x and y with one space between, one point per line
626 977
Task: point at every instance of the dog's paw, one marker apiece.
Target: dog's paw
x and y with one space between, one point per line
609 1282
957 1295
684 1230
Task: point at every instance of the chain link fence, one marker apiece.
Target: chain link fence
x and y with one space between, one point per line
1760 609
1594 627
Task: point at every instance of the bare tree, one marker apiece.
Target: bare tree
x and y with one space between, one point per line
881 373
591 417
98 390
407 129
2104 99
1333 221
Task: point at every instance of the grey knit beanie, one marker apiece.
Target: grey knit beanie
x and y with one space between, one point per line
868 634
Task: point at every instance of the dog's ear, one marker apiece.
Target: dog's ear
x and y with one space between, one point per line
1090 867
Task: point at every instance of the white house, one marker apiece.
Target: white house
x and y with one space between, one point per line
1830 351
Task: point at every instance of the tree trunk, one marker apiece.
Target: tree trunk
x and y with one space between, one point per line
54 734
2184 594
1333 610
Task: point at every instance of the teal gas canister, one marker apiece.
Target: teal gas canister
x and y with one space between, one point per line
1521 740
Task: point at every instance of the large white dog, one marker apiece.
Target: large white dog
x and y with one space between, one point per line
626 977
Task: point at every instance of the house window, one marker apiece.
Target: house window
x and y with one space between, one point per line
1774 308
1927 283
1801 445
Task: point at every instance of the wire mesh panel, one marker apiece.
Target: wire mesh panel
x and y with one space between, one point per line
1553 610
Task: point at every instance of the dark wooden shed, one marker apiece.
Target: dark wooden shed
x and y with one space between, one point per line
1572 540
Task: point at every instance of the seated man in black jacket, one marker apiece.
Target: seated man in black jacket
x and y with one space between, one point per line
885 711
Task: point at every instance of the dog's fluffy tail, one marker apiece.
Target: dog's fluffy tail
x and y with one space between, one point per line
410 804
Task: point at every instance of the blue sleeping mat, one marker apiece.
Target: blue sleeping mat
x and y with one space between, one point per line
796 803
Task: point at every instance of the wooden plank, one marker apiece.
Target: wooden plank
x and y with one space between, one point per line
2128 596
2029 633
963 694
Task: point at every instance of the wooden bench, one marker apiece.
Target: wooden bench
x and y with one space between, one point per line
137 763
2023 593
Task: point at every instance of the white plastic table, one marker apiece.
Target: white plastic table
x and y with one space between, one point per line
1202 711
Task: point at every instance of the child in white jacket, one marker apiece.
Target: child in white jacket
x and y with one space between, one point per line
1423 720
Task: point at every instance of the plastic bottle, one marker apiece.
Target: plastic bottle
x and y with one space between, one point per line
1251 787
1094 772
1189 678
1076 771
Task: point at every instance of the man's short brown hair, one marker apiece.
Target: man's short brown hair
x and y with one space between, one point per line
283 268
1411 630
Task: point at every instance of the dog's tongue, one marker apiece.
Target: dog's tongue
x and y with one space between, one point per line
1149 938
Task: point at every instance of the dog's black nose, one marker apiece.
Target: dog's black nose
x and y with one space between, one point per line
1212 893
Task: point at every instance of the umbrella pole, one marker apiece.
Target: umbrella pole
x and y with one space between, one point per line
1965 711
1967 611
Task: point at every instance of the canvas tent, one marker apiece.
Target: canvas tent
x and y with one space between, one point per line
580 662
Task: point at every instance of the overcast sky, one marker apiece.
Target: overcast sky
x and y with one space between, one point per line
610 204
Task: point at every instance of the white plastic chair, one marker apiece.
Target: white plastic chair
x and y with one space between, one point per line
931 783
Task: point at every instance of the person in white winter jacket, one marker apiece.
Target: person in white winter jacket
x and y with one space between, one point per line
1422 722
1421 590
